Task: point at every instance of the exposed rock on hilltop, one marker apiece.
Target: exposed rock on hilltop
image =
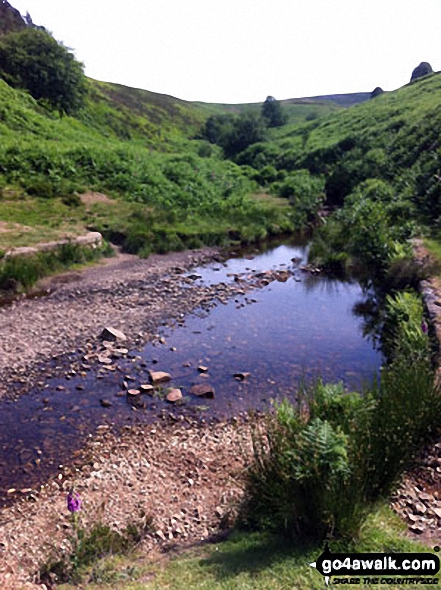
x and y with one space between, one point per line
376 92
422 70
10 18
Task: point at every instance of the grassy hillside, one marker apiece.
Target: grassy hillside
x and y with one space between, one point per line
404 124
167 191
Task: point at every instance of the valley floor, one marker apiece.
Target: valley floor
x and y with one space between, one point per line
185 475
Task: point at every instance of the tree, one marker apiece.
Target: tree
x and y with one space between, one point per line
32 59
235 133
273 113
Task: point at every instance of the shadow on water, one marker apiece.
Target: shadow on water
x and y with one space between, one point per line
280 334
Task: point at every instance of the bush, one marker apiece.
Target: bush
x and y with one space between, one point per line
320 466
305 193
235 134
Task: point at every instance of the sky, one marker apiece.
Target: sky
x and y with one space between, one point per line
235 51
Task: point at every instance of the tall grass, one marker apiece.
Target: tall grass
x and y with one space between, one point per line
18 273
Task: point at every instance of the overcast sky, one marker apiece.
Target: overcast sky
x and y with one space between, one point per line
244 50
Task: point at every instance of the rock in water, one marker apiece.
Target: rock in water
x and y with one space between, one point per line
157 377
112 334
174 395
146 388
241 376
424 69
203 390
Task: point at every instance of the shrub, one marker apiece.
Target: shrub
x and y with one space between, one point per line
320 466
18 273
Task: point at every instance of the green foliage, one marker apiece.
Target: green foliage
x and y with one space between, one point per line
305 193
318 470
235 133
367 227
90 547
18 273
32 60
403 333
273 112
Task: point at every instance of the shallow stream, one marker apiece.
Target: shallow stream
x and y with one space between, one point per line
284 333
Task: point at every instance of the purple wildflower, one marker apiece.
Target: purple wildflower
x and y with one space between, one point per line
73 501
424 327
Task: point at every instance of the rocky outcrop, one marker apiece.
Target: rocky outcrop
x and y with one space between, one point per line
424 69
10 19
376 92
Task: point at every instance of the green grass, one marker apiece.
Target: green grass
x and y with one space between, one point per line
245 561
20 273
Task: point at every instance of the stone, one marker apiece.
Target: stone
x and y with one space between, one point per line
241 376
376 92
112 334
106 403
146 388
203 390
202 369
419 508
157 377
174 395
133 392
424 69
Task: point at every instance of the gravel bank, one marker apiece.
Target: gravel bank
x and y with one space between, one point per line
125 292
187 477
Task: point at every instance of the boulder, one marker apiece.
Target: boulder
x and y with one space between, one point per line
174 395
157 377
112 334
424 69
376 92
203 390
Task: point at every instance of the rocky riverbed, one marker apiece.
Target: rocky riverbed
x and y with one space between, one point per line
185 475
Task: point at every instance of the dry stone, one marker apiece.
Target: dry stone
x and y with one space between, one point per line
112 334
